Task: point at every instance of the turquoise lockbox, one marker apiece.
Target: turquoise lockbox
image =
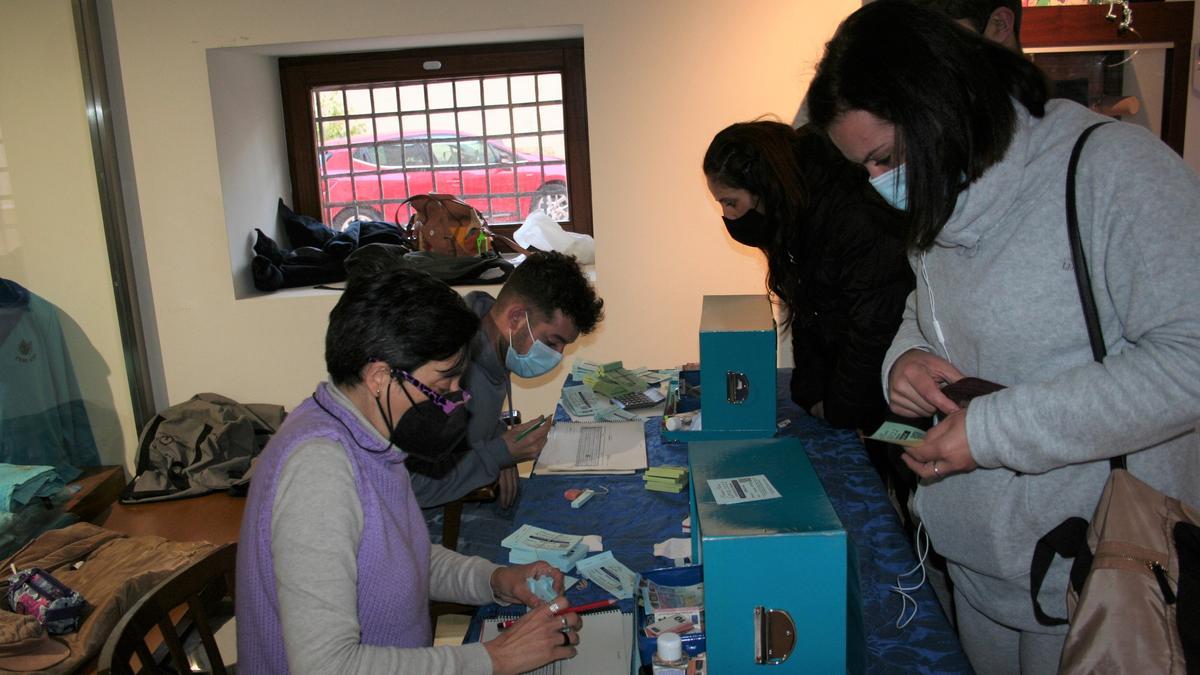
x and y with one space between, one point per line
734 391
780 574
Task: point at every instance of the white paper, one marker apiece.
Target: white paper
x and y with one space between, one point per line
675 548
744 489
530 538
594 447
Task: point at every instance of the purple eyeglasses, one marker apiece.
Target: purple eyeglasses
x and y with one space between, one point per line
446 404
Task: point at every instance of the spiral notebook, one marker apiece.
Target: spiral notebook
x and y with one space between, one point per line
605 645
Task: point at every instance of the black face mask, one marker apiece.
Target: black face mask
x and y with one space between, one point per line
750 230
425 431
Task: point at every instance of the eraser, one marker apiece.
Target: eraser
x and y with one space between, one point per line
582 498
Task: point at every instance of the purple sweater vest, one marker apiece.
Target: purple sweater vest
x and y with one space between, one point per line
393 554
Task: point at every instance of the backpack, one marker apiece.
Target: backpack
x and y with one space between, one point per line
199 446
374 259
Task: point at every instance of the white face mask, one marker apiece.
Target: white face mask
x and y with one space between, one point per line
893 187
539 360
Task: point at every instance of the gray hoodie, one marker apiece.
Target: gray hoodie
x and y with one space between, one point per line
487 380
1001 282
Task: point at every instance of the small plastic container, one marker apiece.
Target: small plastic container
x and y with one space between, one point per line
669 658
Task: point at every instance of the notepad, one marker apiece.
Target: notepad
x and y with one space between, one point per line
594 448
605 645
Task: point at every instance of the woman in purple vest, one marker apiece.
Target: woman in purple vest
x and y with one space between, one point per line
335 568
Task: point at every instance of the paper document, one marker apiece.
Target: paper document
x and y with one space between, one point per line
593 447
744 489
605 646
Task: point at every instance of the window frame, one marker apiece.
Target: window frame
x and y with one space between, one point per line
299 75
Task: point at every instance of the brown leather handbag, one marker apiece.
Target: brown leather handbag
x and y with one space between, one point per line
447 225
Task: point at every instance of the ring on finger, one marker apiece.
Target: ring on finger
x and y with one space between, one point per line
566 639
563 619
554 607
935 469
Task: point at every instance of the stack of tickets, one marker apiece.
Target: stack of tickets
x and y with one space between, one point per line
666 478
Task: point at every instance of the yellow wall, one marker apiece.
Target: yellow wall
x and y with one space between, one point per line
662 78
51 234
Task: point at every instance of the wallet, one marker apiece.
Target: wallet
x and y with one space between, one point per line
964 390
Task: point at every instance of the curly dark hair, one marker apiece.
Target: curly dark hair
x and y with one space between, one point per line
552 281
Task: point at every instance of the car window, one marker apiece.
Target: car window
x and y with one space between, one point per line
391 155
445 153
416 154
365 153
498 155
470 152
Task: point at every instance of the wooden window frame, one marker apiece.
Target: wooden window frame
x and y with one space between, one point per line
298 76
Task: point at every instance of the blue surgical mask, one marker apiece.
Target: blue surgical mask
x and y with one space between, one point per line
539 360
893 187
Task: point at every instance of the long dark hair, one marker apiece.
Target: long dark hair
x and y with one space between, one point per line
947 91
788 170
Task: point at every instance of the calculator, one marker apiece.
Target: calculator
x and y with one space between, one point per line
646 399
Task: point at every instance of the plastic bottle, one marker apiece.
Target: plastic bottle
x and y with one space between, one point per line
670 659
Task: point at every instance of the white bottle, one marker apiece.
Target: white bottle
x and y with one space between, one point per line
670 659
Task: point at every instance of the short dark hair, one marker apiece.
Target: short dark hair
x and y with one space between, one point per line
976 11
552 281
947 91
401 317
789 171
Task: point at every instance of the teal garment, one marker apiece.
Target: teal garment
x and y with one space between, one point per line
43 420
22 517
21 484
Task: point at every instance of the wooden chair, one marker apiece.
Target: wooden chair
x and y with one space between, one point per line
185 601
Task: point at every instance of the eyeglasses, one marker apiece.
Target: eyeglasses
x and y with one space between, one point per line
446 404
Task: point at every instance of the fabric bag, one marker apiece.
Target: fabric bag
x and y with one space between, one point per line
449 226
199 446
446 225
1133 597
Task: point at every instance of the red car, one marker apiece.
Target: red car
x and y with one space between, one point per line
369 180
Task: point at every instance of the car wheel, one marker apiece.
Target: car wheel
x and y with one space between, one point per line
551 199
350 214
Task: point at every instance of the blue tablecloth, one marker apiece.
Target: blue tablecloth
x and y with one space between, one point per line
632 519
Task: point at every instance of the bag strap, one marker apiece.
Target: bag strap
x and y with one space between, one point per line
1069 539
1083 279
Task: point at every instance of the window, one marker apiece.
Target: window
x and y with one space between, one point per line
502 127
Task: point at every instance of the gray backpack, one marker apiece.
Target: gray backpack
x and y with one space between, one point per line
199 446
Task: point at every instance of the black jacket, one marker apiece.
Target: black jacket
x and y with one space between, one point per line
854 278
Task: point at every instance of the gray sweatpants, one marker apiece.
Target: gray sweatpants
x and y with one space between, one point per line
996 649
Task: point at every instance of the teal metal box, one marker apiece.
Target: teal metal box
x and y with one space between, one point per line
780 576
737 370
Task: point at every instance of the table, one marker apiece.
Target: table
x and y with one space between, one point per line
632 519
215 517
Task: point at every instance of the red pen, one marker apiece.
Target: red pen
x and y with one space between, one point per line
586 607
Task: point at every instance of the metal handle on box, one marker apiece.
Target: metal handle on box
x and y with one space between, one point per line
774 636
737 387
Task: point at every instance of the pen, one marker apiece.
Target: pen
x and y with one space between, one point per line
586 607
531 429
